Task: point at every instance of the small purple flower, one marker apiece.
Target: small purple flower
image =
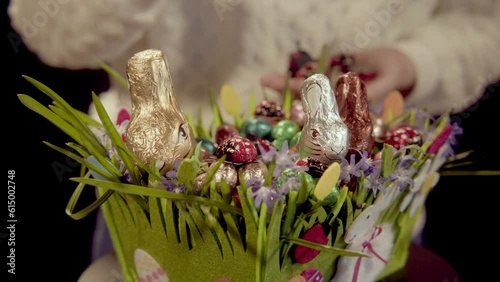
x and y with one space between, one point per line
254 183
171 186
291 184
403 177
283 160
126 173
367 164
169 181
172 174
455 131
261 193
127 176
265 194
375 182
267 156
405 160
349 169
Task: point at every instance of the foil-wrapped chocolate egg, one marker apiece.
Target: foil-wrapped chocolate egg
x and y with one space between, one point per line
257 128
285 129
403 136
270 109
198 183
206 144
224 132
264 144
238 150
257 169
295 139
227 172
378 126
297 112
287 173
297 61
316 167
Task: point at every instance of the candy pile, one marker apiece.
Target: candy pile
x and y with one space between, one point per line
316 188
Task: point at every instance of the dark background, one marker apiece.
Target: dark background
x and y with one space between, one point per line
461 210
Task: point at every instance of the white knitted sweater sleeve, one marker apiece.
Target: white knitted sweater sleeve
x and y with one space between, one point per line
455 57
74 34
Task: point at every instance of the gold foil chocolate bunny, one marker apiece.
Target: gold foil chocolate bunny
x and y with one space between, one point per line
324 136
158 129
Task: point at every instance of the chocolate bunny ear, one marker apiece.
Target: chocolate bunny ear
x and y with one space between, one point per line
318 98
148 72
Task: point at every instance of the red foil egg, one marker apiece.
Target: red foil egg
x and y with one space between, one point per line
237 149
225 131
403 136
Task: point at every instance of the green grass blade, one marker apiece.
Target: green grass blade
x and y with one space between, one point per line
114 74
218 121
261 245
322 60
59 122
151 192
115 137
83 162
87 210
78 124
291 210
83 116
287 103
324 248
251 105
79 149
470 173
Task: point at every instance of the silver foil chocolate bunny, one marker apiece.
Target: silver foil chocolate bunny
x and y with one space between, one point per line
324 136
158 129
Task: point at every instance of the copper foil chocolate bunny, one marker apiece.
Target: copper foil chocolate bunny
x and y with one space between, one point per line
158 129
352 100
324 136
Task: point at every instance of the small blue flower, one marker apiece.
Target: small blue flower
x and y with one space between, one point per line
170 181
455 131
261 193
284 160
172 174
126 173
291 184
403 177
375 182
367 164
254 183
265 194
171 186
349 169
267 156
405 160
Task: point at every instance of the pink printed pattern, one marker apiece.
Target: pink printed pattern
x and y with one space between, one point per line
147 268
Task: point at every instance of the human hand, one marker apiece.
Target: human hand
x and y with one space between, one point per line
278 82
392 71
383 70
